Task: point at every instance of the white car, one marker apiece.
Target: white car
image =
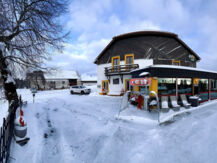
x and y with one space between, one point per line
79 89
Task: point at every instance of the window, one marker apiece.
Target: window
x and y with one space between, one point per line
184 85
116 81
213 85
213 88
129 59
203 89
115 63
63 82
166 86
203 85
176 62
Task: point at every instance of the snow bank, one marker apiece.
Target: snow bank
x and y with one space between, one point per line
93 90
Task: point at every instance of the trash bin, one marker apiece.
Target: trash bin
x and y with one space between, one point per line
194 101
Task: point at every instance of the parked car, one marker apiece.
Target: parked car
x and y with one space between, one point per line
79 89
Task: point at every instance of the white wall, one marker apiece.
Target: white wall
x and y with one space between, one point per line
116 89
101 75
58 84
88 84
143 62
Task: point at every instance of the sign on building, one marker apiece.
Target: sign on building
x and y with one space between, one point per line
140 82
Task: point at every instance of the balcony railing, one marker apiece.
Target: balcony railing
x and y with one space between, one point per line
121 69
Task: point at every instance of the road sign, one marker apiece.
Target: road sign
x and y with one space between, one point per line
140 82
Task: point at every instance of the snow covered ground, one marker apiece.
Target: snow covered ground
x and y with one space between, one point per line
84 129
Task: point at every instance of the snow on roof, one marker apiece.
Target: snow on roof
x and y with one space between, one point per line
144 74
61 74
86 77
182 67
175 67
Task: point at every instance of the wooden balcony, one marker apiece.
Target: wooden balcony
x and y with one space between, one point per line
121 69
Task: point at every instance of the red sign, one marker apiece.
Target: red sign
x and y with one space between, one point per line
140 82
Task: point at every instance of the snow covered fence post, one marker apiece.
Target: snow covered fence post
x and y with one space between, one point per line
33 96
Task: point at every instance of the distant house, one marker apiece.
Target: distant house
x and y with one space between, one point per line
137 50
88 80
55 79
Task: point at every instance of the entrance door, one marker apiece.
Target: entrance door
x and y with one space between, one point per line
128 87
105 86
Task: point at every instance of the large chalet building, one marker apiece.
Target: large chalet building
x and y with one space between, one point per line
135 51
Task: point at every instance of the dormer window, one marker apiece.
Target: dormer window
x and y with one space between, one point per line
129 59
115 61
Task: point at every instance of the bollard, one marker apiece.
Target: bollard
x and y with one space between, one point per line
20 127
33 95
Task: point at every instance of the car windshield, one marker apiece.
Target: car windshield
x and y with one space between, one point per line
83 87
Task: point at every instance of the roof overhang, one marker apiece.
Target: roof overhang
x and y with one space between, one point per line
170 71
145 33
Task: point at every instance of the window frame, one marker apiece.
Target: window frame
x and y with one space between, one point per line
105 81
128 55
117 80
115 57
176 61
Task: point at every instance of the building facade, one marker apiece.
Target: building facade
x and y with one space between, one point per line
170 80
138 50
56 79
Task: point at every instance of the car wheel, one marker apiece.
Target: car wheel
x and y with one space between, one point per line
82 92
71 92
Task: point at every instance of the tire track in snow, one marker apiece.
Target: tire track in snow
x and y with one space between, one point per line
51 150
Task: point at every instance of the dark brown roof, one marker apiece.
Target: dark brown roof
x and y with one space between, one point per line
146 33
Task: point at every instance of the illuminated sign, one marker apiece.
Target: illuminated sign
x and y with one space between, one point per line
191 57
196 81
140 82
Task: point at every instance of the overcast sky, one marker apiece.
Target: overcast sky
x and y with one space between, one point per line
93 23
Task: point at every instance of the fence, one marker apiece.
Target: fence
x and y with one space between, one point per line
6 134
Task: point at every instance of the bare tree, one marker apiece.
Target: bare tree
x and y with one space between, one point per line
36 79
29 31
